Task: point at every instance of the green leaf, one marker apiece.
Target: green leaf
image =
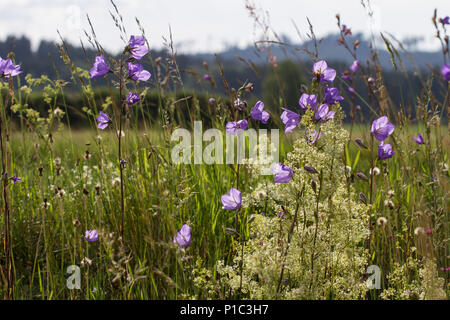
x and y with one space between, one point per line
347 157
356 160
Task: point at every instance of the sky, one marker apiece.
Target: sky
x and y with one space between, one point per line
213 25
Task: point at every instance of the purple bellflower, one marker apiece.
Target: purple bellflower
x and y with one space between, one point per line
355 66
100 68
446 71
323 72
446 20
183 237
15 179
235 127
282 173
323 113
332 95
307 101
418 139
137 72
313 136
258 112
91 235
133 98
232 200
103 121
382 128
240 104
8 69
290 120
346 75
385 151
138 47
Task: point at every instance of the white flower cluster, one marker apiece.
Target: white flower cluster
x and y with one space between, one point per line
307 242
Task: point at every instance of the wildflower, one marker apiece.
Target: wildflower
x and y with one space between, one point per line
57 161
389 204
258 112
239 104
362 197
61 192
370 80
133 98
249 87
362 176
232 200
86 261
313 136
310 169
235 127
211 101
428 231
307 101
382 128
58 112
375 171
282 173
116 181
261 194
418 139
137 72
8 69
76 222
230 231
332 95
385 151
346 30
290 120
183 237
45 204
346 75
445 20
321 70
280 214
103 120
446 71
15 179
323 113
100 68
381 221
207 77
137 47
355 66
351 90
419 230
359 142
91 235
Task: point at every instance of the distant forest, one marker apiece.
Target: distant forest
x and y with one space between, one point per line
404 80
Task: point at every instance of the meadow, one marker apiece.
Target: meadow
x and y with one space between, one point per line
355 211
